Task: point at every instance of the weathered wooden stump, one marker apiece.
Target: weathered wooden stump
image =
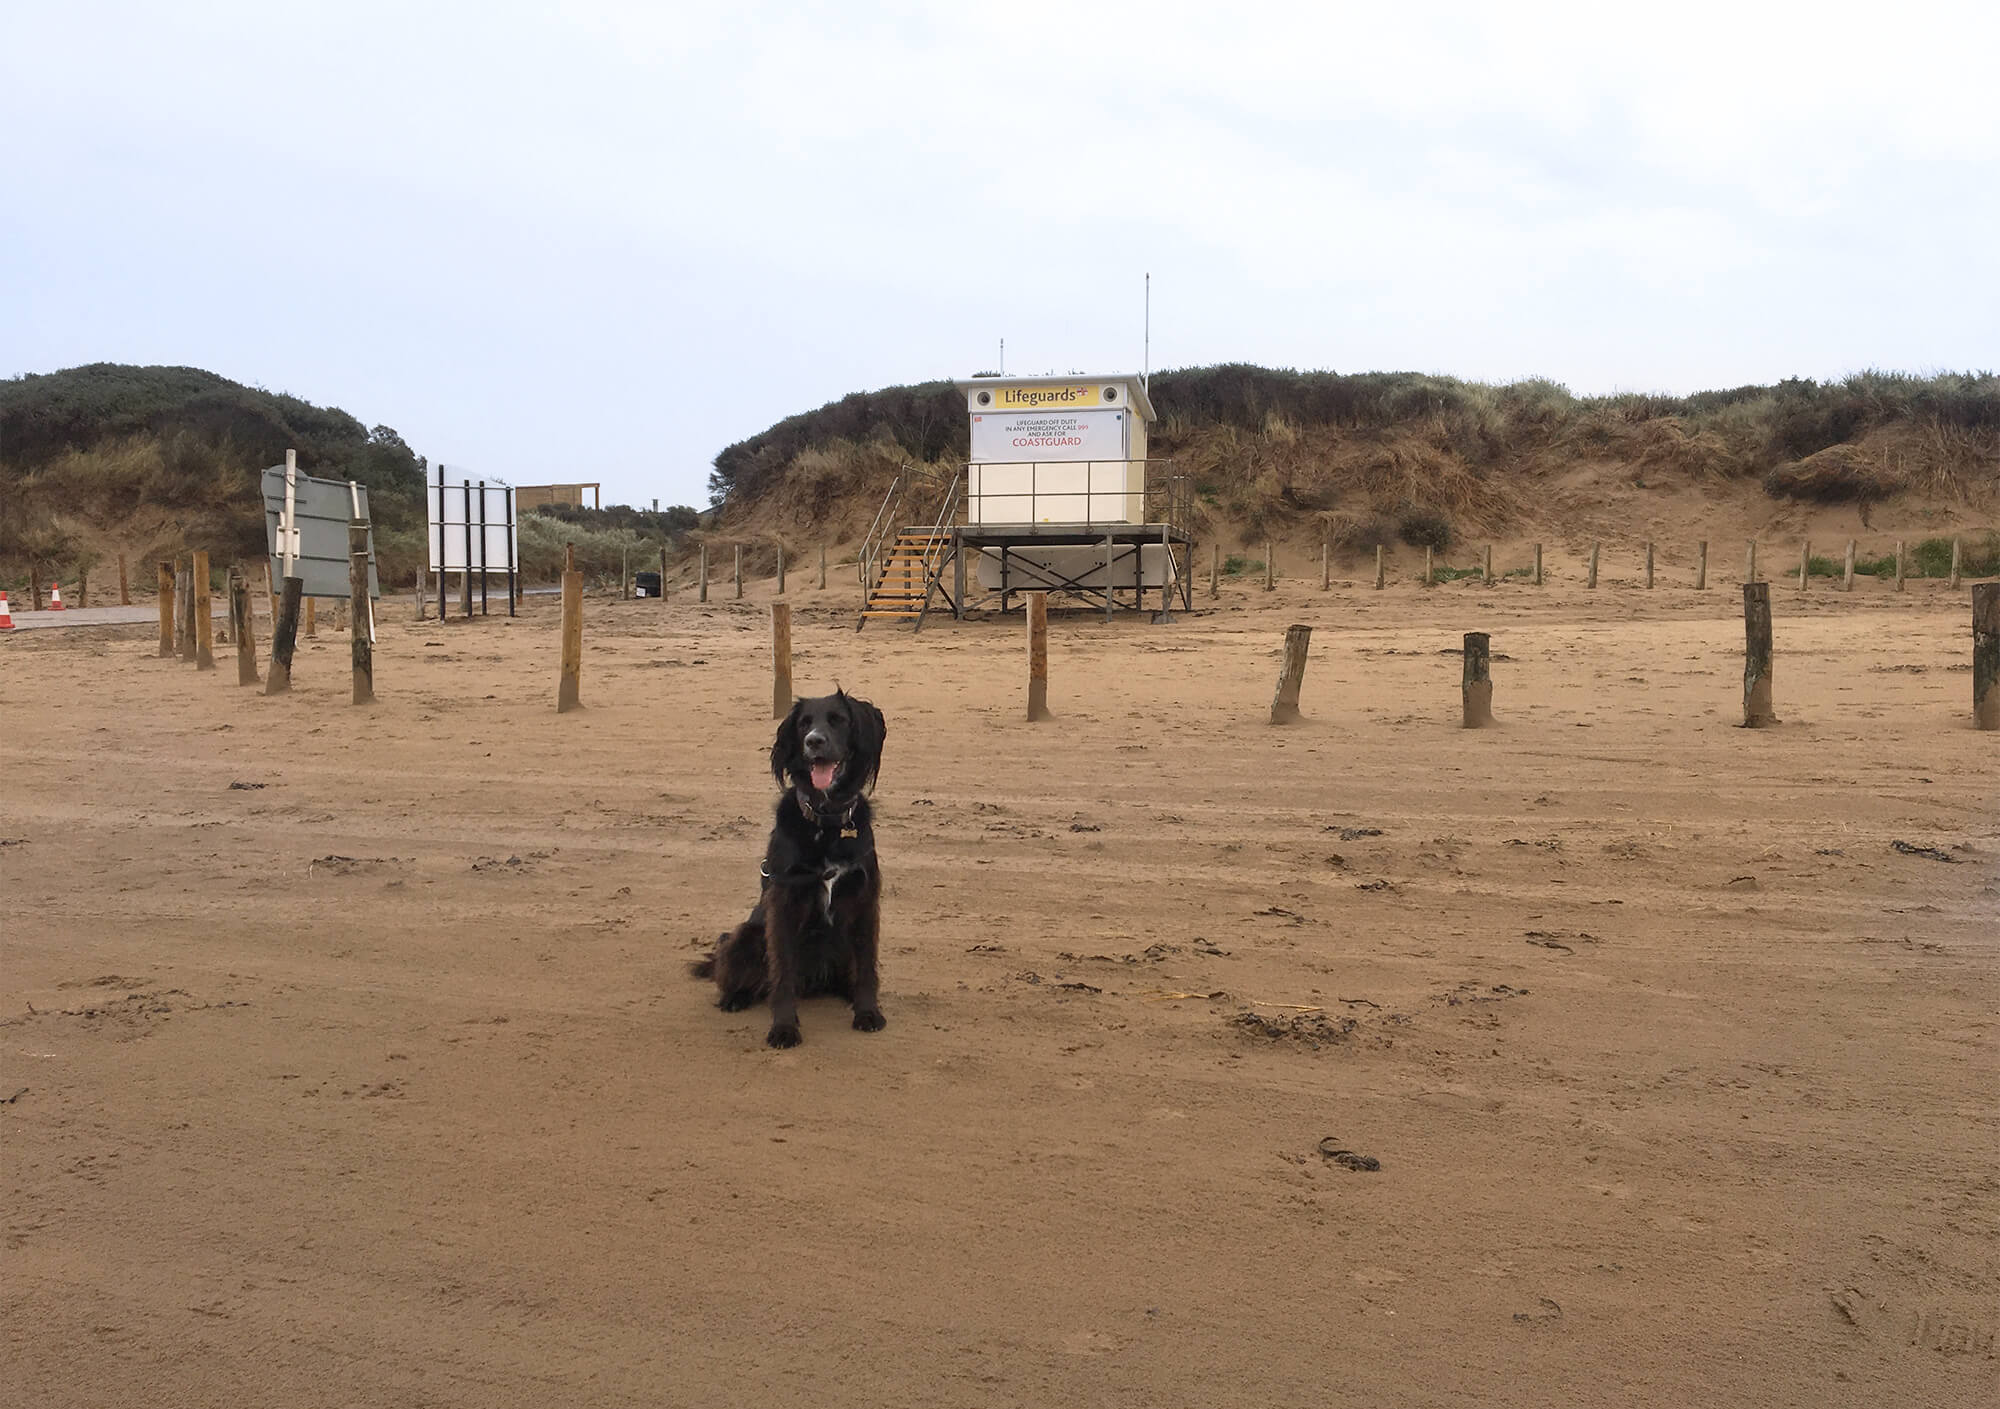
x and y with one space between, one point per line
204 616
284 637
242 621
1038 656
1986 655
360 620
1757 711
781 659
569 686
167 609
1291 674
1478 684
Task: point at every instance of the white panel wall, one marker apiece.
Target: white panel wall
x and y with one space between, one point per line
1098 491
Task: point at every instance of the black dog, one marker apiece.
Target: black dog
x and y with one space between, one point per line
815 926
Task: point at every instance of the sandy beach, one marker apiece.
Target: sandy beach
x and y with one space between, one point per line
348 1055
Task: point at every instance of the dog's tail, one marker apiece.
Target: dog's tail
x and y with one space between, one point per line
702 968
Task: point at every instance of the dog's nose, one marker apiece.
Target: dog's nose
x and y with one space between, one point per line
815 739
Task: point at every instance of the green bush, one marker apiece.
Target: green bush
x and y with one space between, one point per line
1423 527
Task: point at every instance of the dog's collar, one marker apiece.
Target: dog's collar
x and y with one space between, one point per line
825 819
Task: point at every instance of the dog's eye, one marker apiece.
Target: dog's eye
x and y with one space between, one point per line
836 719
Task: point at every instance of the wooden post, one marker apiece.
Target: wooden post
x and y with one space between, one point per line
568 687
421 613
1110 550
124 587
1478 684
1954 565
166 609
1805 563
1486 567
1325 566
1381 572
1847 580
271 594
1701 566
204 617
1270 567
959 559
739 572
1750 560
1899 565
35 583
1038 656
360 641
1757 656
781 659
312 620
1649 565
465 590
781 569
663 573
83 587
822 565
1429 578
1214 570
1285 706
1986 655
184 608
284 638
703 592
1590 573
624 572
1538 565
243 627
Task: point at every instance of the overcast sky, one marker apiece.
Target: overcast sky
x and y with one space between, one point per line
601 241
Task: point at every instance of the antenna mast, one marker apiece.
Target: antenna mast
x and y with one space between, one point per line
1146 371
1003 357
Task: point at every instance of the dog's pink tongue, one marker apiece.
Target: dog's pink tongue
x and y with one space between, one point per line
822 776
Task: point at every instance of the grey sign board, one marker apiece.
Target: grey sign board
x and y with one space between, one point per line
323 507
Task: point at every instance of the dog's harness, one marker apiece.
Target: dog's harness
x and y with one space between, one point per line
830 874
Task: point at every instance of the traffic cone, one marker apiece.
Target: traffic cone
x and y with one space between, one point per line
55 597
6 616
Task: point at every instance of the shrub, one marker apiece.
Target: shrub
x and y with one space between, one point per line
1423 527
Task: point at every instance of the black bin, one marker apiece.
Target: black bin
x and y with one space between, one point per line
646 584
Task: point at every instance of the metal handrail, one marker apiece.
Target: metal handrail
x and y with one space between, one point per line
1156 489
883 524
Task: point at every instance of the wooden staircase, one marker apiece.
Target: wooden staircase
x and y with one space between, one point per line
909 567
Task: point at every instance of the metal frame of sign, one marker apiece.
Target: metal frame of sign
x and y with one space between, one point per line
474 550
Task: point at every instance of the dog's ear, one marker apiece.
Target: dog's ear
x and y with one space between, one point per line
785 746
871 730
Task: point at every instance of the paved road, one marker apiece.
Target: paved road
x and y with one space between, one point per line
97 616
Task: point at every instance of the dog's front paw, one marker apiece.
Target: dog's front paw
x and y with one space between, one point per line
869 1020
783 1035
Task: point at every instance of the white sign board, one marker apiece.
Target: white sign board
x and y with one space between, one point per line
1048 435
472 528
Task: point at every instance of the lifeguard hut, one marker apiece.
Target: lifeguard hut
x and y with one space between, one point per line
1058 495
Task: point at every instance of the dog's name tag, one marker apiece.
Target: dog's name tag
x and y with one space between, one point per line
847 832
